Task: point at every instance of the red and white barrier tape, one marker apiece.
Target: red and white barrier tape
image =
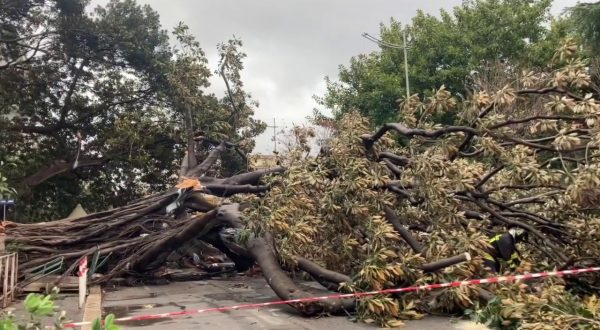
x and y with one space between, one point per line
83 267
499 279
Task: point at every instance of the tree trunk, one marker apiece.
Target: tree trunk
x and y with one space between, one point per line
284 287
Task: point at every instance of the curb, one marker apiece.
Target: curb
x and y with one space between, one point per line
92 309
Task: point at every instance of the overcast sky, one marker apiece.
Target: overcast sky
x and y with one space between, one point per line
291 44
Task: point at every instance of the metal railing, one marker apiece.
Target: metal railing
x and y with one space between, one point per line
8 277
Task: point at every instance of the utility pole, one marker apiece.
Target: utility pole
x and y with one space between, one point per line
406 66
274 135
394 46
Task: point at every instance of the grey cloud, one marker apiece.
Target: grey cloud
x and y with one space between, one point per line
291 44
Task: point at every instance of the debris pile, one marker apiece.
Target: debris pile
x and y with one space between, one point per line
381 210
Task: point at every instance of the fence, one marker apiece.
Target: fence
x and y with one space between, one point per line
8 277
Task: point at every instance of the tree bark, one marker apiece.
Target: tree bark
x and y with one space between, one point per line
191 145
252 178
226 190
159 251
441 264
328 278
203 167
406 235
284 287
59 167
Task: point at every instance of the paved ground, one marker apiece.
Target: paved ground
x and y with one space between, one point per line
231 291
64 302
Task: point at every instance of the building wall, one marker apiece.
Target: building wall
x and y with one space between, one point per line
258 162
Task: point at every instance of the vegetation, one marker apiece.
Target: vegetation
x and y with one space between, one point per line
101 108
551 308
585 17
452 49
517 157
370 213
5 189
39 306
92 104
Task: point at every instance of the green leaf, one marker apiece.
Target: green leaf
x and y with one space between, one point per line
97 325
39 305
109 323
8 324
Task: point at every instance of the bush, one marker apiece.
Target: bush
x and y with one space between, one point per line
39 306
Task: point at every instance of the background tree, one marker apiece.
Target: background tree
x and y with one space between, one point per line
444 50
94 106
585 18
84 99
235 110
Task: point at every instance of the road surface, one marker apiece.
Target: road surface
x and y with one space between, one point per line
227 292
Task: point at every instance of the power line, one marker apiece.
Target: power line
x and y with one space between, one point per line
381 42
394 46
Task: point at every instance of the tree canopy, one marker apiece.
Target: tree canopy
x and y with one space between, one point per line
93 103
585 18
445 49
381 212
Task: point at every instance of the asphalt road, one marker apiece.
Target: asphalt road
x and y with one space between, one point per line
233 291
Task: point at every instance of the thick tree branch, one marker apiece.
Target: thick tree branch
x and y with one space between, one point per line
532 199
328 278
489 176
393 168
284 287
370 140
252 178
229 145
26 59
391 216
69 96
463 146
87 113
534 118
542 146
208 162
395 159
236 110
403 193
155 256
60 167
523 187
191 145
441 264
226 190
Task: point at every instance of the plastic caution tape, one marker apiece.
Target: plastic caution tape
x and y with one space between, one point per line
499 279
83 267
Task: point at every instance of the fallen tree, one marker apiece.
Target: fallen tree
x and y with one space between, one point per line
375 211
